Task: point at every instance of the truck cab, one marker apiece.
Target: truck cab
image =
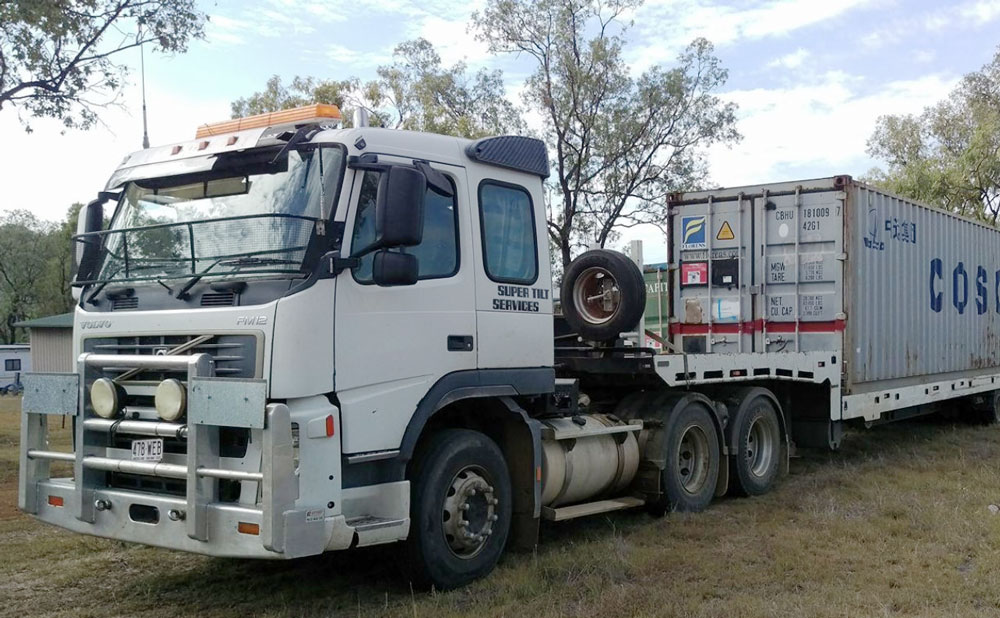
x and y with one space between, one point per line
271 319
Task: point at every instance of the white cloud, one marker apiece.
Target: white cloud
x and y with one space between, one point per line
453 40
973 14
821 126
666 26
981 12
790 61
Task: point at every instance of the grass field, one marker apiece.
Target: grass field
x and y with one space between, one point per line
897 523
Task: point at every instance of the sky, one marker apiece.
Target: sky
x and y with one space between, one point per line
810 78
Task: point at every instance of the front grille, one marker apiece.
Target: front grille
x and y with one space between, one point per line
235 355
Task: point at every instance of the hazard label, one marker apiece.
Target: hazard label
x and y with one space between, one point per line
725 232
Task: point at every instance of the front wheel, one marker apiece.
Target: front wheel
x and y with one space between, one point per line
460 509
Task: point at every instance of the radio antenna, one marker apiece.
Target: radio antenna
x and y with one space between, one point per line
145 132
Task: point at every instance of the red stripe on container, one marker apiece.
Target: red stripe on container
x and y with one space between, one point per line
750 327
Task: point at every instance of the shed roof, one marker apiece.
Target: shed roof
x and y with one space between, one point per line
63 320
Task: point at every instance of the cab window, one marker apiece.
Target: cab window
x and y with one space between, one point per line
510 252
437 254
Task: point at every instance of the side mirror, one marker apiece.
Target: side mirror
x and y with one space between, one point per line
391 268
399 207
88 248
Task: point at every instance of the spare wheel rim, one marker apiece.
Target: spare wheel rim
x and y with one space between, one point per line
597 295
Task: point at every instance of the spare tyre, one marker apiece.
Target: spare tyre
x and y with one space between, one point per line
603 295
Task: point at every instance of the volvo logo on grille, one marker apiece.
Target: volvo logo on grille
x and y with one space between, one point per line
160 351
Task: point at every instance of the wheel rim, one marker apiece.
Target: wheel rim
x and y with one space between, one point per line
693 458
469 512
597 295
760 446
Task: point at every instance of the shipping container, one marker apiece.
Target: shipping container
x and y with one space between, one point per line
905 294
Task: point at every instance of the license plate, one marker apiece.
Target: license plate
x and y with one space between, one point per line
147 450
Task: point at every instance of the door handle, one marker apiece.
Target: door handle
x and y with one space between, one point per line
459 343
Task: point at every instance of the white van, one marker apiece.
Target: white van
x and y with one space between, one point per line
15 361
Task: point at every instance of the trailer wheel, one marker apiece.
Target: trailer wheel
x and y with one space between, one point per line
989 414
460 509
757 437
603 294
692 461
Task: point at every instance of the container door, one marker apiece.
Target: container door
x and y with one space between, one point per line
798 306
710 241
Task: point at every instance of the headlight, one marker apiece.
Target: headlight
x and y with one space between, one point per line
105 398
170 400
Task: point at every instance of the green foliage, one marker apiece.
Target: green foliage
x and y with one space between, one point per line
620 143
346 94
35 269
427 96
948 155
58 57
416 92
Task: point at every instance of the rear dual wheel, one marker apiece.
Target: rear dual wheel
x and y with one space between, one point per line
987 412
757 442
691 451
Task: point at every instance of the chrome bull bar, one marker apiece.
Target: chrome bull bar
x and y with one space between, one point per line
212 403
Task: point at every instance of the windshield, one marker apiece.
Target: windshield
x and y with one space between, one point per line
246 217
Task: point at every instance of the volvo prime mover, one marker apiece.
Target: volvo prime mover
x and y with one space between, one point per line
294 337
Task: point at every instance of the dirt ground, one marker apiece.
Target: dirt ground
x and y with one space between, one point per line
898 523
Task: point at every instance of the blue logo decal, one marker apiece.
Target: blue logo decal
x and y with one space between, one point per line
693 232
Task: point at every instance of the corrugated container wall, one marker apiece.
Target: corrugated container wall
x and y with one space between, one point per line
923 290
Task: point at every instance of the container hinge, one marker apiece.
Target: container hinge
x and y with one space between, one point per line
842 257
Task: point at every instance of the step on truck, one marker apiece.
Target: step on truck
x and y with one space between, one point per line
294 337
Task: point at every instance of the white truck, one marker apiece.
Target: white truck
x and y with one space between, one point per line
294 338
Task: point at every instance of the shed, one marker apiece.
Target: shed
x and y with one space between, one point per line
51 342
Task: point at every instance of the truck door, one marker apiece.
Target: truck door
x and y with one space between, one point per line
394 343
512 267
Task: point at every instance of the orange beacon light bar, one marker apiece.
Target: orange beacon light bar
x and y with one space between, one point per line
298 115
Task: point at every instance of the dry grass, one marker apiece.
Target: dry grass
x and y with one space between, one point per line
895 524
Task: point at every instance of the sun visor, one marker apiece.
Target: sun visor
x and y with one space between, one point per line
178 167
186 157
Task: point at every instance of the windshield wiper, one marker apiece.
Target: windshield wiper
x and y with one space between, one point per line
247 260
257 261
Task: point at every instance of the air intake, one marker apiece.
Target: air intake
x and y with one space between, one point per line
124 304
218 299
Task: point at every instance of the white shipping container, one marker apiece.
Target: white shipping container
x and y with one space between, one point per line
905 294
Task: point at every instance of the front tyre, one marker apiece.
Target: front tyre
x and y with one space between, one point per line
460 509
